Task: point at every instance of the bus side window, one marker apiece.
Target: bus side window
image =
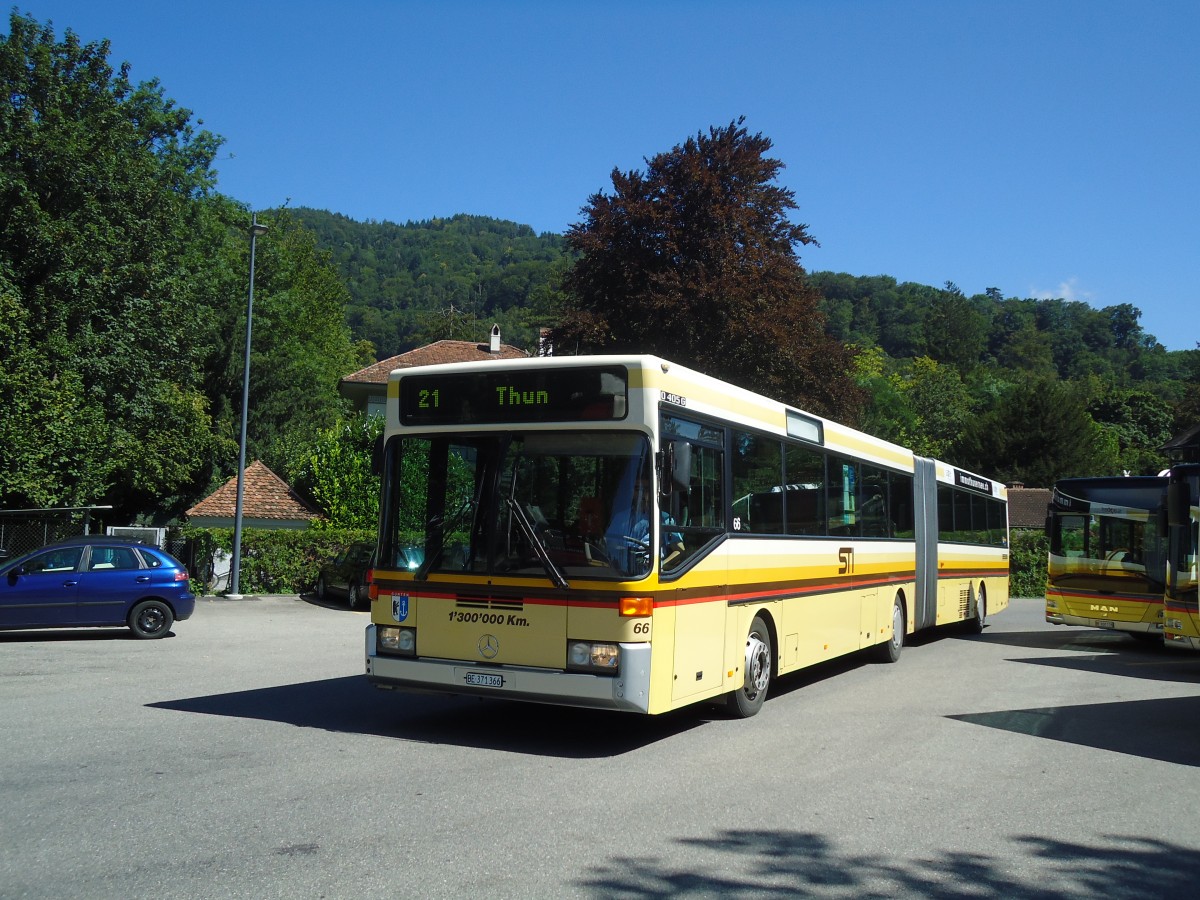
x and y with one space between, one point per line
805 494
901 507
695 513
757 484
842 494
873 502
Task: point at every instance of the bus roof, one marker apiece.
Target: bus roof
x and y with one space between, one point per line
1135 492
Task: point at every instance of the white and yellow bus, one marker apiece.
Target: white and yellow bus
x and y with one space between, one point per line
1181 626
1108 558
624 533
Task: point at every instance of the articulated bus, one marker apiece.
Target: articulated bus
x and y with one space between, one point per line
1181 625
623 533
1107 561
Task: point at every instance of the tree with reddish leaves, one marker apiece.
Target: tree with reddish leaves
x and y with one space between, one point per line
695 260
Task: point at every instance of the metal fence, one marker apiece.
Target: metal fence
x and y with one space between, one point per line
24 530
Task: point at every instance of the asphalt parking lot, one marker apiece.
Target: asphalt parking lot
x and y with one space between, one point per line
245 756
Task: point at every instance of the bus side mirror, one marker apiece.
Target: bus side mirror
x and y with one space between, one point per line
377 456
1178 503
679 466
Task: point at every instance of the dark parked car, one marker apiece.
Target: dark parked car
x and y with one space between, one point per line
346 575
93 581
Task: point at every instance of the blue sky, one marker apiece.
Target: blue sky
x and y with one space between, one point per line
1048 148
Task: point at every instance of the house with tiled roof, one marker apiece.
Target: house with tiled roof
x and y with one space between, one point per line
1184 447
267 502
366 389
1027 506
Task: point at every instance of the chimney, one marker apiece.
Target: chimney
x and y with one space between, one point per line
495 345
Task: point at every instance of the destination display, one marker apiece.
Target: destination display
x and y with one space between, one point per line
575 394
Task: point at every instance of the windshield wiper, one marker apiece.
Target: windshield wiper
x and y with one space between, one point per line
543 554
432 559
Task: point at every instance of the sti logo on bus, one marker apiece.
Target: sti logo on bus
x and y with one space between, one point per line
399 607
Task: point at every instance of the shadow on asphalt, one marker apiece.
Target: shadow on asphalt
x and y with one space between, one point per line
787 863
351 705
1152 729
47 635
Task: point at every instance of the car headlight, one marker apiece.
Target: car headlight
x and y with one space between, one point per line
590 656
400 641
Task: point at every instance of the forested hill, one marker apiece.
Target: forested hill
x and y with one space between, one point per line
939 366
453 278
443 278
1036 337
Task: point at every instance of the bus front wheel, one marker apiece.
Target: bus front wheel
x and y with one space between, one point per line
748 699
976 624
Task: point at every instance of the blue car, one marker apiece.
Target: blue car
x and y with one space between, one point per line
88 582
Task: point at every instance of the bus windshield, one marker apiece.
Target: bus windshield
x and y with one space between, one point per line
546 504
1108 535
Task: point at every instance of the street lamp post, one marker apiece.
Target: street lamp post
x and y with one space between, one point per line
235 571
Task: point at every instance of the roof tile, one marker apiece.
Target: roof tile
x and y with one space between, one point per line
265 496
432 354
1027 506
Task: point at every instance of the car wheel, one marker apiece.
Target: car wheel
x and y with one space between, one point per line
151 619
353 597
321 588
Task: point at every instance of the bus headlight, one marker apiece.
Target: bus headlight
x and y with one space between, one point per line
400 641
588 656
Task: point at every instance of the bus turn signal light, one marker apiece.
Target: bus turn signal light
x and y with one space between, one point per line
636 606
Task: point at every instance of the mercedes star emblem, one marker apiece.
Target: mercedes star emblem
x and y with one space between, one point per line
489 646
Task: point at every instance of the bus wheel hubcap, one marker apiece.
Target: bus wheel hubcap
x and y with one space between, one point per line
758 666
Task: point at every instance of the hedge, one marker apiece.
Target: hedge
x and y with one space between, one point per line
1027 563
275 561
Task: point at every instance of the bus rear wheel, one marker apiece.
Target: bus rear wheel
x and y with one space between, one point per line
889 650
748 699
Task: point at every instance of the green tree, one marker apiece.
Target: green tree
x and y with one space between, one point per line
1141 423
123 284
100 184
334 471
887 413
695 260
301 345
943 407
956 329
1038 432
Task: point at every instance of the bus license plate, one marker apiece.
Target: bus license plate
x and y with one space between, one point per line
481 679
1103 623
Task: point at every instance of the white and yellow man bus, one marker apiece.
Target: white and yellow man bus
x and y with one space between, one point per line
1181 625
623 533
1108 558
